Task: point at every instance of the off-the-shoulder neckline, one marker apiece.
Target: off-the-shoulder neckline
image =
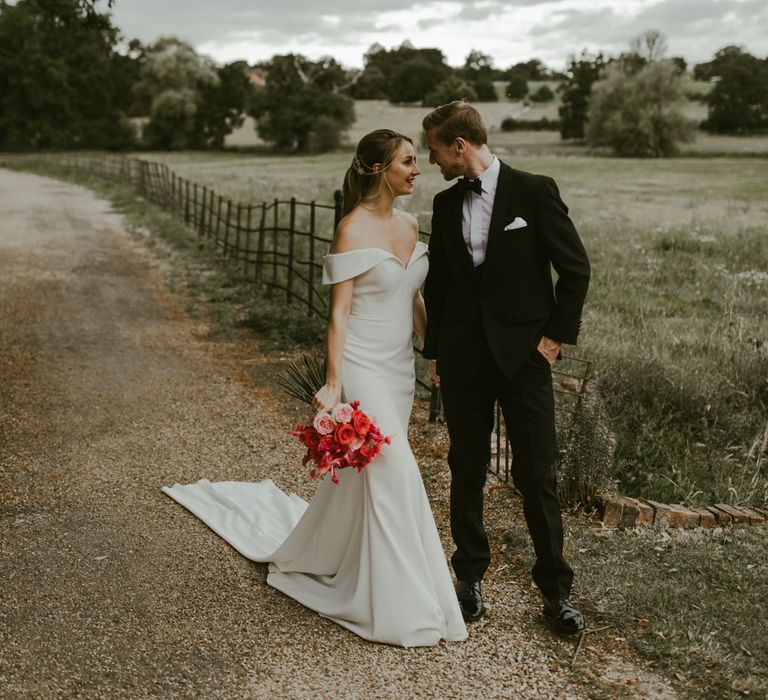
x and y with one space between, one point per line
382 250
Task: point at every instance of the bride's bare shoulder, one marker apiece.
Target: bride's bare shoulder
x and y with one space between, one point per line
349 234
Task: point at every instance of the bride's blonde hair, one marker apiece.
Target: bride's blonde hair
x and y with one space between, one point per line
360 181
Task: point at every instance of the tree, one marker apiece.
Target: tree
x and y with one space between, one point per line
478 66
223 104
486 90
637 114
62 83
582 73
650 45
738 102
450 89
715 68
301 102
530 70
173 80
543 94
404 74
517 88
414 79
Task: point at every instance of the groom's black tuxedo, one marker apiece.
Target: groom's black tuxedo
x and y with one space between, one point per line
484 325
512 303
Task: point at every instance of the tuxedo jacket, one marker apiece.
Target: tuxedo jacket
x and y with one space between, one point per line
511 302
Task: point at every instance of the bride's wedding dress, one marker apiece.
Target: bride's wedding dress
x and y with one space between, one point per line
365 553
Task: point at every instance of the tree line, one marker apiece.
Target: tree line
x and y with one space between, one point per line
68 80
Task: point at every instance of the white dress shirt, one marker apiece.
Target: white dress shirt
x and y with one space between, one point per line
476 213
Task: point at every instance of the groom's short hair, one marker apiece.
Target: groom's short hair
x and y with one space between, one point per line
456 119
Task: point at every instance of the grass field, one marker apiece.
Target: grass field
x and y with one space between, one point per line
677 316
375 114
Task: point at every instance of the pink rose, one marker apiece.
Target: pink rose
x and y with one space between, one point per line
323 423
342 413
357 443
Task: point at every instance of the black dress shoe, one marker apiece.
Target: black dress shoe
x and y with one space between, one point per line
564 616
470 600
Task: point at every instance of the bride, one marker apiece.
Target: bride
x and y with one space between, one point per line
366 553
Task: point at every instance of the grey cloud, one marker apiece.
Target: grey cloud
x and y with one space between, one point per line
693 28
478 12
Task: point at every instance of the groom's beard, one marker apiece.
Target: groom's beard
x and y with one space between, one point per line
451 171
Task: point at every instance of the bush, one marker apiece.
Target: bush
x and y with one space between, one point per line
517 88
543 94
450 89
543 124
637 114
588 462
486 90
325 135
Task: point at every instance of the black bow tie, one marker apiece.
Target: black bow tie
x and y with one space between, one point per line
475 185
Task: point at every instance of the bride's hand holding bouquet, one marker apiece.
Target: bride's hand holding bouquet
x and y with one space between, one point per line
339 435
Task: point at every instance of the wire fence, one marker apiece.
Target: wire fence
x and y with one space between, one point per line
280 244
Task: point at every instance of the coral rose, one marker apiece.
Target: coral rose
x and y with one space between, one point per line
344 434
361 423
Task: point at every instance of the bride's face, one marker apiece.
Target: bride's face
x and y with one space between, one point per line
403 171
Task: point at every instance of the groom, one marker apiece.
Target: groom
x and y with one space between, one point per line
495 326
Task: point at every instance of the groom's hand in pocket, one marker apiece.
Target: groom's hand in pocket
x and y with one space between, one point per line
434 377
549 348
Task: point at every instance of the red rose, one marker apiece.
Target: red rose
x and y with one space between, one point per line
361 423
344 434
325 443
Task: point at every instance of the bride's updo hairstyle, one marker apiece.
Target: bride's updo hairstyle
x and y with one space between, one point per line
360 181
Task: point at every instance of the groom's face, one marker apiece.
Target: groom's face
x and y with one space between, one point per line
446 156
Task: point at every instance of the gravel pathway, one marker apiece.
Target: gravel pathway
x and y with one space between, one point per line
108 390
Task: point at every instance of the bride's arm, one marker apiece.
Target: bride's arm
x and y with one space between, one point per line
419 317
341 301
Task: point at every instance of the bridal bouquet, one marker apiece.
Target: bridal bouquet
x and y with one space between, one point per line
343 437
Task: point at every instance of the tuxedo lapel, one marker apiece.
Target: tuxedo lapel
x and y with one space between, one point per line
501 204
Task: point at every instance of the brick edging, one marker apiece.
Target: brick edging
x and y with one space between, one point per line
623 511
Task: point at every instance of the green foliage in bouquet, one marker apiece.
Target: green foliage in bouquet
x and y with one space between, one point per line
304 380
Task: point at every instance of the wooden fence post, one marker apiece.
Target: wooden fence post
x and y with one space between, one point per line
275 222
337 202
248 232
194 205
218 223
260 243
237 231
186 202
203 212
225 249
311 271
291 248
209 228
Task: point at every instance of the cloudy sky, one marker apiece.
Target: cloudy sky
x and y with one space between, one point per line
508 30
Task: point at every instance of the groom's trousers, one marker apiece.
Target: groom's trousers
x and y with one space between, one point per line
527 404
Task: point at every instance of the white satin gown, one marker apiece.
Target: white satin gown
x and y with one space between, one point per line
366 553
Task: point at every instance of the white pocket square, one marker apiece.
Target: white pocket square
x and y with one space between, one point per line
519 222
